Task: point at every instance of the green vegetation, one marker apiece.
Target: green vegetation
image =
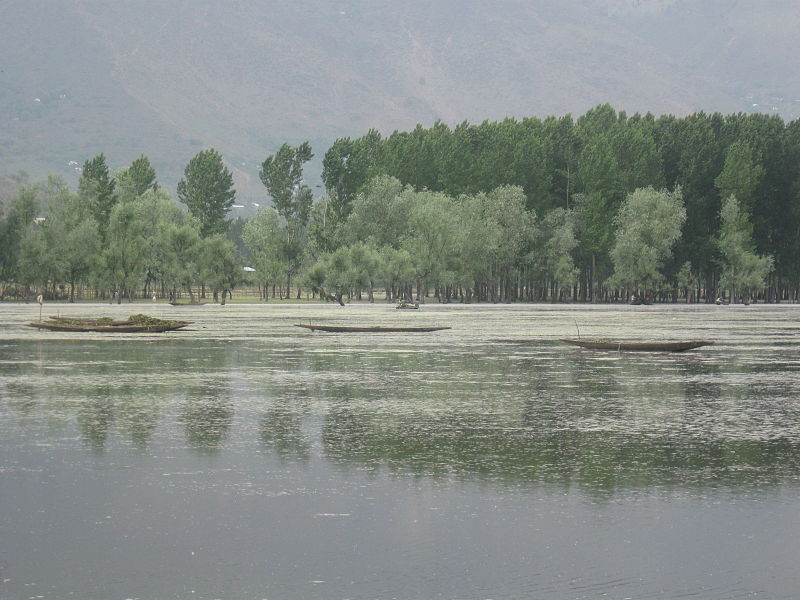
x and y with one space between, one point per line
590 209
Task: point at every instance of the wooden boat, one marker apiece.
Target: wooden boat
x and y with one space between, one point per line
638 346
134 324
188 303
376 329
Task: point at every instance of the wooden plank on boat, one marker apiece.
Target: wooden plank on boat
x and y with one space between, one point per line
680 346
375 329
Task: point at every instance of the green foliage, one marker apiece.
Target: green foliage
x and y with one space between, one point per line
135 180
75 238
648 225
495 211
740 176
181 249
219 265
282 176
346 168
397 268
98 189
207 191
346 271
380 213
432 238
743 271
264 237
22 211
558 241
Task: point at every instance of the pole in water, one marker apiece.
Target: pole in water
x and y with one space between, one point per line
40 300
578 328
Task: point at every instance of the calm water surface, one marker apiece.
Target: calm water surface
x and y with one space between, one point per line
247 458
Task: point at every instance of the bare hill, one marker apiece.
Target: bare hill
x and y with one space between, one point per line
167 78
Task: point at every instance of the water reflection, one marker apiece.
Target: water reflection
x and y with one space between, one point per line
516 413
207 419
280 430
94 418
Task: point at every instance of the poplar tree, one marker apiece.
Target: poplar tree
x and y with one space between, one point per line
282 176
98 189
207 191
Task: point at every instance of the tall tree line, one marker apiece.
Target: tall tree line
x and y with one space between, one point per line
590 164
588 209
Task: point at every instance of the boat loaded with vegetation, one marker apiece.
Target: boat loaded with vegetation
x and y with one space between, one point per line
133 324
638 346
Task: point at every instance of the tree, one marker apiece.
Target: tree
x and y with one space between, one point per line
495 233
638 159
699 160
158 212
282 176
346 270
263 236
648 225
98 189
183 247
432 239
743 271
397 271
347 167
207 191
137 179
740 176
220 266
559 242
22 211
37 265
380 213
74 238
599 173
125 249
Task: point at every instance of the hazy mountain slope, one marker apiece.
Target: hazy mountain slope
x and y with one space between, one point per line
747 48
58 100
165 78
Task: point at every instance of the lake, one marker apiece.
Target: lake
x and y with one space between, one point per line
245 458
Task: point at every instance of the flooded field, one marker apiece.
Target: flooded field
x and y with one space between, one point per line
247 458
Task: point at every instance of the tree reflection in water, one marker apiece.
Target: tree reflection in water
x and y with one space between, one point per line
207 416
280 430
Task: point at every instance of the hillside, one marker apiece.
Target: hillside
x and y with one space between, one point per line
79 77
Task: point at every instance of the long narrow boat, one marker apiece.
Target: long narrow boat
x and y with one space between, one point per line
638 346
376 329
188 303
134 324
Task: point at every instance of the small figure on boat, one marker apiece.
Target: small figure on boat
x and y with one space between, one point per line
404 303
637 300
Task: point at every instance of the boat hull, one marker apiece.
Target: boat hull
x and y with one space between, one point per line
357 329
639 346
57 323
